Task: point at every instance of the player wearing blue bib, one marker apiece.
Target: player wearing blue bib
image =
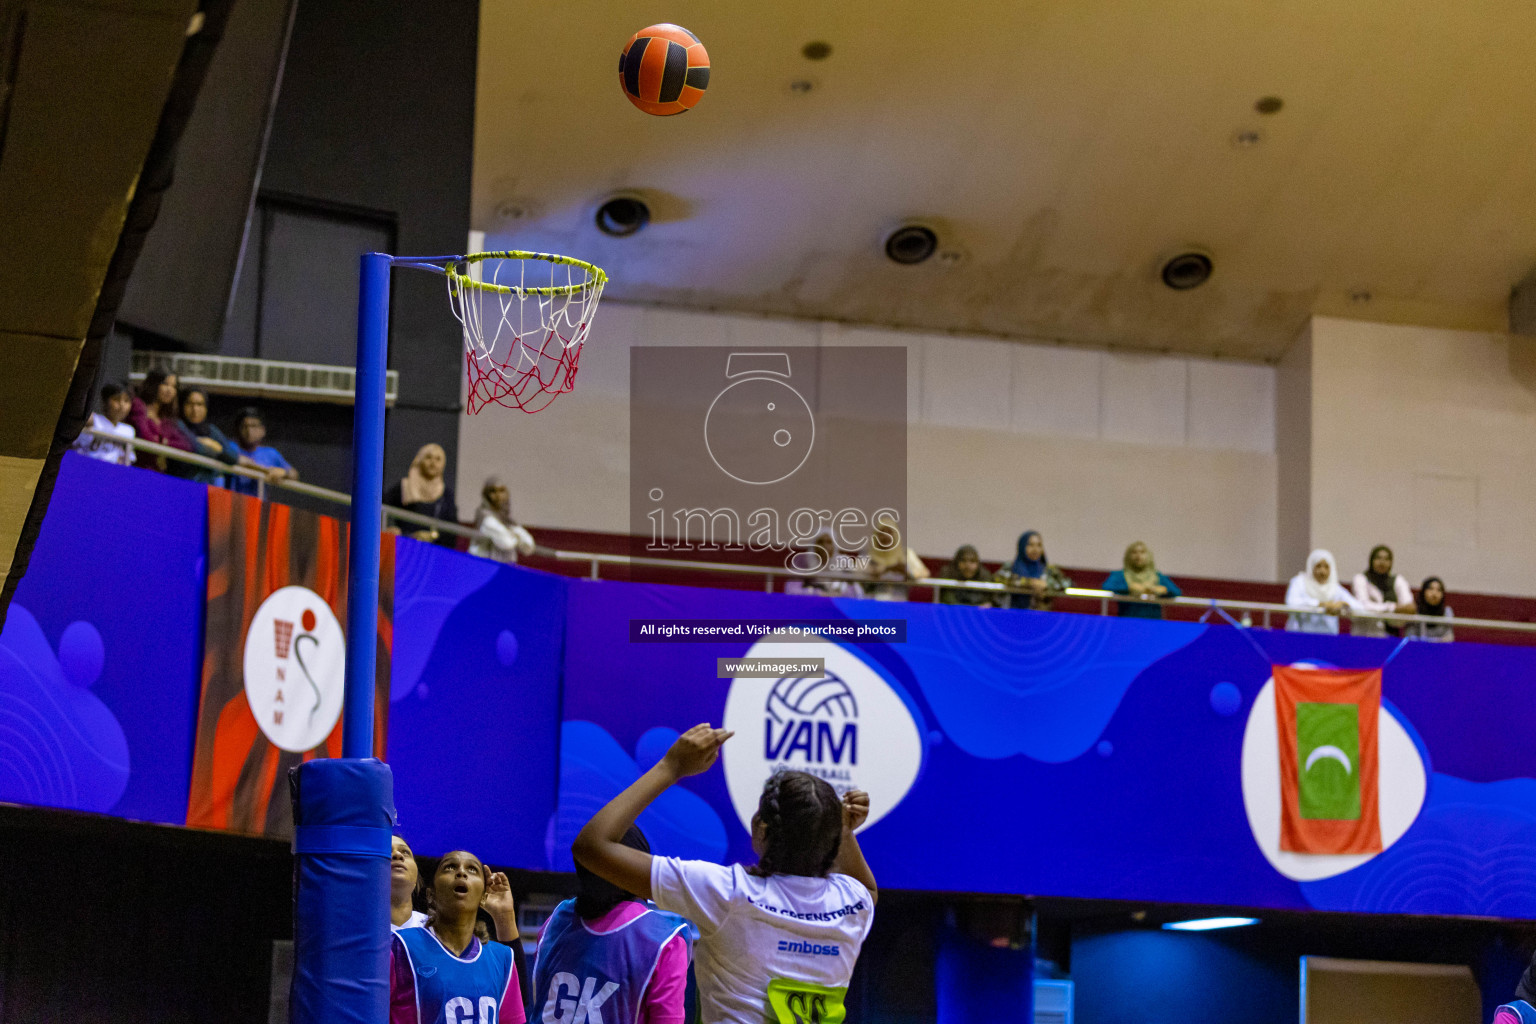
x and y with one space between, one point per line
442 974
607 956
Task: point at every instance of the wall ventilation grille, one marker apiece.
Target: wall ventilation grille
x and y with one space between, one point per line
267 378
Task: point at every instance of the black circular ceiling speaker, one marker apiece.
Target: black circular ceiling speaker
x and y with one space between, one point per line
1187 270
622 215
911 244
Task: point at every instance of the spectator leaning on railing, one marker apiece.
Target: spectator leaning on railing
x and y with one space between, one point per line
966 567
891 562
154 416
823 557
116 403
1379 591
501 539
1317 587
1141 580
1032 569
1431 601
208 439
424 491
252 430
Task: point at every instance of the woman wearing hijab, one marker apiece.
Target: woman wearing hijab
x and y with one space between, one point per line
208 439
424 491
1379 591
1141 580
823 557
501 539
1431 601
1318 587
966 567
1034 570
891 560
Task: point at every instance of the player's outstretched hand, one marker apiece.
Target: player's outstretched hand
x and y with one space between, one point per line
498 896
695 750
855 808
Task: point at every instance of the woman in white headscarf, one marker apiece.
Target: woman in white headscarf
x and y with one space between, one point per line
1318 587
891 562
500 537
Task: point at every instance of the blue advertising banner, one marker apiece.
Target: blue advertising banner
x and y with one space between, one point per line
1012 752
99 658
474 704
1063 755
101 655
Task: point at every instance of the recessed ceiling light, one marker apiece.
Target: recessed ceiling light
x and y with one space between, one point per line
622 216
816 50
1187 270
1268 104
1246 138
912 243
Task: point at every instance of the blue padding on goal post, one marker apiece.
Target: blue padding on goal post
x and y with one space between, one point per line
343 814
1517 1012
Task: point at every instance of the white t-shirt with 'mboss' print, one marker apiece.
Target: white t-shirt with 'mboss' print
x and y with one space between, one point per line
752 930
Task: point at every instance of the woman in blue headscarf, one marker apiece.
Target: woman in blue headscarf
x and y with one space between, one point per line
1032 570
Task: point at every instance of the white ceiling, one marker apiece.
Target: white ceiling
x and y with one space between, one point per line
1062 148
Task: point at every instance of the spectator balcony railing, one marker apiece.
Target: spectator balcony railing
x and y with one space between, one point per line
771 574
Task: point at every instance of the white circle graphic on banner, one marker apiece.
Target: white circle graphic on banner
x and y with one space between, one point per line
295 667
1401 786
849 727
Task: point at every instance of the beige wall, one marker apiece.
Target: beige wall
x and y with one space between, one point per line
1092 448
1293 452
1425 439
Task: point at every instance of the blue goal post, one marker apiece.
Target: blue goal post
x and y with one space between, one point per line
523 330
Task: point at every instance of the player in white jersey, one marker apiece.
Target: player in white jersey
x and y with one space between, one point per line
777 941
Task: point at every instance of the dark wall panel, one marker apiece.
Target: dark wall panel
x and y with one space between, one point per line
309 284
376 113
105 921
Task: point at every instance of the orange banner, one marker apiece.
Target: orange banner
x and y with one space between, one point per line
274 654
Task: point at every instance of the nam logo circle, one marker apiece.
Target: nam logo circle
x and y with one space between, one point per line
849 727
295 661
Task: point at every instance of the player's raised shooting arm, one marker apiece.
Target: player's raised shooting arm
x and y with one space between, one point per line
599 845
850 858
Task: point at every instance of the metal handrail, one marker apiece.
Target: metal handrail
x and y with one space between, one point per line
1106 596
772 572
263 481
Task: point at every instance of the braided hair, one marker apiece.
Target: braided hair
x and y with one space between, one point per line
802 819
597 896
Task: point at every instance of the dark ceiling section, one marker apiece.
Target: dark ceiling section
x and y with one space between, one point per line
97 95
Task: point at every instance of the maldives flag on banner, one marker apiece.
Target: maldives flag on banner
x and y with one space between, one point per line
1328 764
274 654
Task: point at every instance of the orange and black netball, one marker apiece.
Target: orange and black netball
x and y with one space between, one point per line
664 69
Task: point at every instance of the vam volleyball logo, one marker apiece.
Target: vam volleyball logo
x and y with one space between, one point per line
295 662
849 727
